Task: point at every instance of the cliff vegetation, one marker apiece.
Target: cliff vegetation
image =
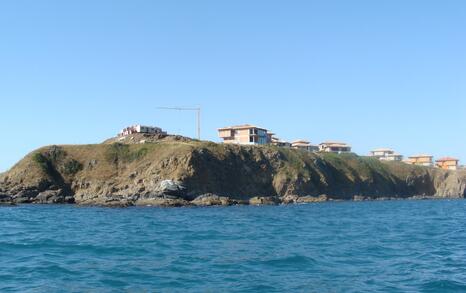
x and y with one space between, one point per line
175 171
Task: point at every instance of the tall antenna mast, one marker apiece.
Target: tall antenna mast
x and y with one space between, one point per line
198 110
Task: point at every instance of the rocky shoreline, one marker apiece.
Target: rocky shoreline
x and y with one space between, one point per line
178 172
205 200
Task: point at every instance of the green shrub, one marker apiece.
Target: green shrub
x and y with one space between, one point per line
42 161
55 154
72 167
137 155
118 152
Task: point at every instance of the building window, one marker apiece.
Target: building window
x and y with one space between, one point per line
251 139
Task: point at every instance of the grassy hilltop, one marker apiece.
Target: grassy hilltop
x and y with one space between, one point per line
178 171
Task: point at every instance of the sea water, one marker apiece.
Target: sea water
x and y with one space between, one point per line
389 246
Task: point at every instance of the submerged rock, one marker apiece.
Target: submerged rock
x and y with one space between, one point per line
264 200
6 199
212 200
303 199
50 196
162 202
309 199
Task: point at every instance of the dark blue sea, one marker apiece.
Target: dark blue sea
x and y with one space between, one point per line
385 246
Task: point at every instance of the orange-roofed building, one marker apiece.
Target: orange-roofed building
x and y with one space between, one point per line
420 160
245 134
447 163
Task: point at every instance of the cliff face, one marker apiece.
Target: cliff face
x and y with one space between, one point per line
182 172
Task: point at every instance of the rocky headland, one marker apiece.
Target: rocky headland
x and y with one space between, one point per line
176 171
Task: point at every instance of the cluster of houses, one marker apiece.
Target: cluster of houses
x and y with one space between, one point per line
252 135
447 163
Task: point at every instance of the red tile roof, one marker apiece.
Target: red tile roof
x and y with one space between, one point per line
244 126
446 159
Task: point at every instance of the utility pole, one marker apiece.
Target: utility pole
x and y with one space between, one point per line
198 110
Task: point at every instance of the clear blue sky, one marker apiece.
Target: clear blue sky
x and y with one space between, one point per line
371 73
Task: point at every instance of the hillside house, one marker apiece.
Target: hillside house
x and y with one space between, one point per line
280 143
334 147
385 154
447 163
420 160
245 134
140 129
304 145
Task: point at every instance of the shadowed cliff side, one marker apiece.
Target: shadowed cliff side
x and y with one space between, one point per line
182 172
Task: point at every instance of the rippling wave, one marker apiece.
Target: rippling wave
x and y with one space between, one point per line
391 246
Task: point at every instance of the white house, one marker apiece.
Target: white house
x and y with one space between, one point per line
304 145
280 143
386 154
141 129
334 147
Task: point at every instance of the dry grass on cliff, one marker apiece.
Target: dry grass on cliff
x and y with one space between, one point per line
105 162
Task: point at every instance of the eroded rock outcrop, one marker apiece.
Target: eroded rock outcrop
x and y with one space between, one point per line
182 172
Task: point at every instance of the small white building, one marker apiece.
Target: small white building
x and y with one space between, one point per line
334 147
386 154
141 129
280 143
304 145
